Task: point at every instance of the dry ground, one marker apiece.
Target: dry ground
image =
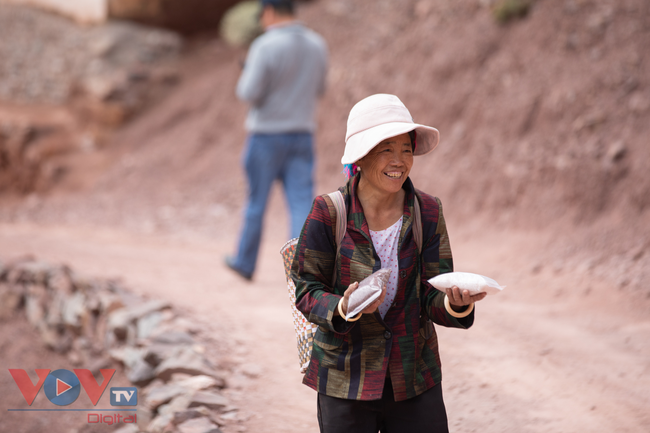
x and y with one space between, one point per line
556 351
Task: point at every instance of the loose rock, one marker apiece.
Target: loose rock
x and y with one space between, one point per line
198 425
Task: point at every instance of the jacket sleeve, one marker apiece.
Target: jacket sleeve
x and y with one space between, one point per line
313 267
252 86
437 259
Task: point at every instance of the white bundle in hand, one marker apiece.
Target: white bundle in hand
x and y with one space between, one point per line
475 283
368 291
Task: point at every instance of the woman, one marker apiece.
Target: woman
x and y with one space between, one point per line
382 370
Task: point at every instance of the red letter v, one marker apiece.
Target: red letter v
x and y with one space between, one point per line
91 386
25 383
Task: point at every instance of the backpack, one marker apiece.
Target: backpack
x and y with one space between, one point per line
305 330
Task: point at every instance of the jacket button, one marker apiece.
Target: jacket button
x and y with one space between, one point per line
402 273
387 335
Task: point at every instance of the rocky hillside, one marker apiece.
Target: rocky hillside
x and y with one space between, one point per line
543 116
543 122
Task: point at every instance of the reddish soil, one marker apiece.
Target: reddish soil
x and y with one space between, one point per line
542 169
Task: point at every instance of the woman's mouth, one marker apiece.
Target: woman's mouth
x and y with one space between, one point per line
393 174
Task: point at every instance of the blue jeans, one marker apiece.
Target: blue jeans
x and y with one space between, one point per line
287 157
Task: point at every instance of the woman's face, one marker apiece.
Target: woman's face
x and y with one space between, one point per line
388 165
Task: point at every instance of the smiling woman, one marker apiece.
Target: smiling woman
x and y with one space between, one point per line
381 371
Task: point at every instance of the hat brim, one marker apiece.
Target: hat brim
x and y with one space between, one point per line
361 143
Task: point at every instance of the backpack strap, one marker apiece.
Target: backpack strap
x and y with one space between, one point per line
426 326
341 217
341 223
417 222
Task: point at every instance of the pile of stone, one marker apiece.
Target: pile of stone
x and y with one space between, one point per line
49 59
81 82
97 322
26 152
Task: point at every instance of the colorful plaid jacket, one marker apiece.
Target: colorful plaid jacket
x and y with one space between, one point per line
351 360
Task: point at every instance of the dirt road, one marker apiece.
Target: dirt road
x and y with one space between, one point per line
540 123
555 352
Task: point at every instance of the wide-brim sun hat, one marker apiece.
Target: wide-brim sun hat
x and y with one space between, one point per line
378 117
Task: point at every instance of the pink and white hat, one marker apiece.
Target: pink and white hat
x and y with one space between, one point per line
378 117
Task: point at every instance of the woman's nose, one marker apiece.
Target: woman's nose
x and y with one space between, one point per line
398 158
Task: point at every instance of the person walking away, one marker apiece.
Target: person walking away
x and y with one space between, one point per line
283 77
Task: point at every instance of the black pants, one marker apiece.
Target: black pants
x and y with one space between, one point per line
422 414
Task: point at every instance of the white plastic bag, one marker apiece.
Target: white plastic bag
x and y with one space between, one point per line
475 283
368 291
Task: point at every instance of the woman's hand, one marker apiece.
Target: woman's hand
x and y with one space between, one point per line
370 308
461 298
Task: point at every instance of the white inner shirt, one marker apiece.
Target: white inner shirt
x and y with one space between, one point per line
386 245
